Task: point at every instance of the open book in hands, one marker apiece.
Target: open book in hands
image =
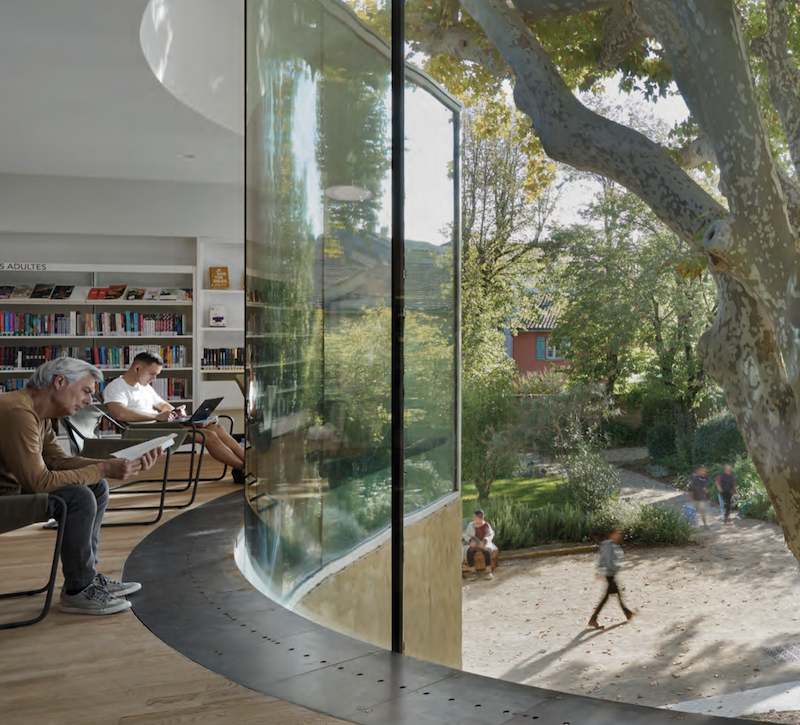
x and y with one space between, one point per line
137 451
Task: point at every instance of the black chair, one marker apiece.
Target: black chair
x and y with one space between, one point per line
83 433
22 510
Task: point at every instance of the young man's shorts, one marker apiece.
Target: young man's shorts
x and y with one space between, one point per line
700 506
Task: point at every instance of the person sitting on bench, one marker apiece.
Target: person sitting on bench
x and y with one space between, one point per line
131 398
478 538
32 461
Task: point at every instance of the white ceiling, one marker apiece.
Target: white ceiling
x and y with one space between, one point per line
78 98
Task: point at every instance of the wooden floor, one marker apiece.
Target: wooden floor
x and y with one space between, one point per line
71 669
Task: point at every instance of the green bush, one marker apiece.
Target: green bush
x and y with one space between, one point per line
658 408
717 440
661 442
643 524
619 434
756 504
590 480
517 526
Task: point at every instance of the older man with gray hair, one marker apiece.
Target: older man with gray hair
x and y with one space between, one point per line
32 461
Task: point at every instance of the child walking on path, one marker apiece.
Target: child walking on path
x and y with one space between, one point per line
609 562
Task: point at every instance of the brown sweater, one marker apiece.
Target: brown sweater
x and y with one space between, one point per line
31 460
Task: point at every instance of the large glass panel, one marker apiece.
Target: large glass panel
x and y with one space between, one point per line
319 294
318 288
430 327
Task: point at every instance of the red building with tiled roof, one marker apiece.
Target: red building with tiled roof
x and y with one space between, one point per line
531 348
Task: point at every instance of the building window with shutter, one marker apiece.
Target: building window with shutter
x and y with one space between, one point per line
541 347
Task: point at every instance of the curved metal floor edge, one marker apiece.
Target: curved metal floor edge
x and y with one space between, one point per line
195 600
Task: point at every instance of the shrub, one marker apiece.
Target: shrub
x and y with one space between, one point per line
517 526
658 408
619 434
661 441
718 440
590 480
756 504
643 524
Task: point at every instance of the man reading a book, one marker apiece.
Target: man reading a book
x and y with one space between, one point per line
32 461
131 398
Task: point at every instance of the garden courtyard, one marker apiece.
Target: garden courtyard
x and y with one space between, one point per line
716 629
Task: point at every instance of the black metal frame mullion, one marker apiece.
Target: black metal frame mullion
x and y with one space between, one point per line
398 316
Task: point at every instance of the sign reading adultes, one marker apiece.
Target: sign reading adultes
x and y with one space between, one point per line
23 267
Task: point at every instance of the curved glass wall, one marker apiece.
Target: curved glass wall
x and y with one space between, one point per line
319 289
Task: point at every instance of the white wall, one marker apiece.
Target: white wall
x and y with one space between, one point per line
69 206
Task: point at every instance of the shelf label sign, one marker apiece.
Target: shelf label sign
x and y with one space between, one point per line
23 267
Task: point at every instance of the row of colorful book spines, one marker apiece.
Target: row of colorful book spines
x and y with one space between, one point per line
112 292
121 357
27 323
170 387
223 357
16 358
135 322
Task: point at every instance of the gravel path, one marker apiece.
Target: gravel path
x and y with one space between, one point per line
693 635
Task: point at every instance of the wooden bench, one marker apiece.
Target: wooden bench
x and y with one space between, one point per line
480 563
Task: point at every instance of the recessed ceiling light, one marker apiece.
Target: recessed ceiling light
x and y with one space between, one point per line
347 193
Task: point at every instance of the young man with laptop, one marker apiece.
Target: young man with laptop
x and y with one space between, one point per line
131 398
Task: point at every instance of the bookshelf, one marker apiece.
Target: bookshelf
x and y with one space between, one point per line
106 332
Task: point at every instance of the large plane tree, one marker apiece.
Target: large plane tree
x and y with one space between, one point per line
736 66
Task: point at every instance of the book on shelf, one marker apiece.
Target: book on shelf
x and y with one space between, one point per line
152 293
42 291
169 293
218 277
22 292
216 316
5 291
135 293
97 293
116 291
186 293
62 292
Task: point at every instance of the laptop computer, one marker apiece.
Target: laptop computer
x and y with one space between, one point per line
203 412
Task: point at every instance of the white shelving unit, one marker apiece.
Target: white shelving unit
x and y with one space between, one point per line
88 343
220 380
186 267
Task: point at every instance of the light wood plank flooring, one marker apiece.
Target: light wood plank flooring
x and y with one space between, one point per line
79 670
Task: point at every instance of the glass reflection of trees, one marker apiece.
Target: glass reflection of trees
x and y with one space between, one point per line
318 297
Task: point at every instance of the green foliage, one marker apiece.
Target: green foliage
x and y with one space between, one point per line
717 440
489 408
590 480
661 441
643 524
752 499
559 414
621 435
518 526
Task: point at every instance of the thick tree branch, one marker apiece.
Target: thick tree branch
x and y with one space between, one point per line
701 151
747 171
659 15
533 10
571 133
623 30
784 77
459 42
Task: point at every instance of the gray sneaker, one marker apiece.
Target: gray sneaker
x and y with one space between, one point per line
115 588
489 575
92 600
472 576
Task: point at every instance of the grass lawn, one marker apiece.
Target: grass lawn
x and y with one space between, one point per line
536 492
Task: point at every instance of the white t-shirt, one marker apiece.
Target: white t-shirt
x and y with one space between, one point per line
139 398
